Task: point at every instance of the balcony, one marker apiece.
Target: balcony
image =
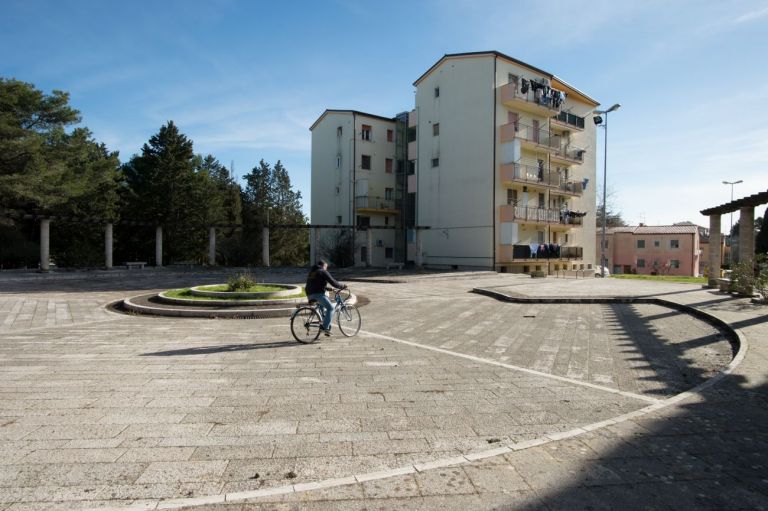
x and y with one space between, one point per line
567 121
512 173
532 101
531 215
523 253
376 205
568 154
536 139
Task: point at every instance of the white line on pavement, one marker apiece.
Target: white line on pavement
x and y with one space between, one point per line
514 367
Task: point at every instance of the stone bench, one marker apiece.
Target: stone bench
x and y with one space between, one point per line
398 266
136 265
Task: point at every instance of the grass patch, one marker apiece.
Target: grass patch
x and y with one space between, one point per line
187 295
664 278
258 288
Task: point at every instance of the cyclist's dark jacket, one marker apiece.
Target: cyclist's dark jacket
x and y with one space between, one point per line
317 279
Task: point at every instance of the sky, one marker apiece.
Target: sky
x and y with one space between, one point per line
246 79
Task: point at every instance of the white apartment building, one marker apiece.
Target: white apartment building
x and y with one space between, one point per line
496 170
353 183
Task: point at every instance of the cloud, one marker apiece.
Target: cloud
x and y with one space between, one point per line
752 15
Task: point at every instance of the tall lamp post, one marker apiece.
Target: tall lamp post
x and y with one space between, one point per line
730 256
599 120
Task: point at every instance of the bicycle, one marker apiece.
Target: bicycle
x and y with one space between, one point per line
307 320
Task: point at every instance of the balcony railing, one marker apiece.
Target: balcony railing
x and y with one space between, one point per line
539 251
367 202
535 100
541 138
540 176
527 214
570 120
569 153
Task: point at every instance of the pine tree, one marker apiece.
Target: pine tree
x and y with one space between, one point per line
164 187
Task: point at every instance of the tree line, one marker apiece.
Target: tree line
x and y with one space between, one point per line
49 166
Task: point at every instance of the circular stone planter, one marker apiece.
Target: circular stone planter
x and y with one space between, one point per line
163 297
155 305
287 290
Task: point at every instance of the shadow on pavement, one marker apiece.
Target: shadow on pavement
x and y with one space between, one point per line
711 455
209 350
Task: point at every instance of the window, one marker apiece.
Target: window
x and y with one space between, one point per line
366 163
566 238
674 244
641 263
366 133
435 162
656 243
511 196
386 220
388 165
338 190
589 266
436 129
437 92
540 236
541 200
640 243
389 253
388 193
338 161
338 220
674 263
363 221
390 135
338 131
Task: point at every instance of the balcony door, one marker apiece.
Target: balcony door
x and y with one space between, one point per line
513 119
536 131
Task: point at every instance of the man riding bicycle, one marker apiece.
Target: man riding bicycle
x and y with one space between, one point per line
317 279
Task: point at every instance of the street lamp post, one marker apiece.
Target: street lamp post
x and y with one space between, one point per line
730 249
599 120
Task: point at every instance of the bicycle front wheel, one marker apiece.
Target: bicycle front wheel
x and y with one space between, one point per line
349 320
305 325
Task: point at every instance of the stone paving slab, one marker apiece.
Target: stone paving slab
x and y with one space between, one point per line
234 399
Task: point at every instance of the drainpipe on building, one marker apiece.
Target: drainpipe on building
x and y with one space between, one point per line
493 170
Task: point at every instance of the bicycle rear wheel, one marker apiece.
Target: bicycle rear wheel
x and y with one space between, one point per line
349 320
305 325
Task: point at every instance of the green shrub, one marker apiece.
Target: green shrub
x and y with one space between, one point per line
240 282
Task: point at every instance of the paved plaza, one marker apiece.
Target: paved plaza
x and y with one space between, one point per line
447 399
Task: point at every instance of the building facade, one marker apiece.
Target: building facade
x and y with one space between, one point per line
494 168
653 250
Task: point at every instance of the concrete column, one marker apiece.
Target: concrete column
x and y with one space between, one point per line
45 243
212 246
108 246
369 239
714 250
313 239
747 234
419 255
159 246
265 246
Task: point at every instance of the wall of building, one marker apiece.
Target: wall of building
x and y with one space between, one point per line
625 254
456 198
509 152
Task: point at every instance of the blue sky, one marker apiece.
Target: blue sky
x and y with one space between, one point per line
245 79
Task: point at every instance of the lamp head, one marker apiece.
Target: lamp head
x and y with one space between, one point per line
613 108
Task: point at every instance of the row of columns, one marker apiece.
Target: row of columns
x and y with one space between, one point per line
45 245
45 254
746 241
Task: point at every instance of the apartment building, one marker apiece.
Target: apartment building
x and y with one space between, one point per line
494 168
653 250
353 182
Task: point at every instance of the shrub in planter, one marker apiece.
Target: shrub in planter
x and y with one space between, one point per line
240 282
